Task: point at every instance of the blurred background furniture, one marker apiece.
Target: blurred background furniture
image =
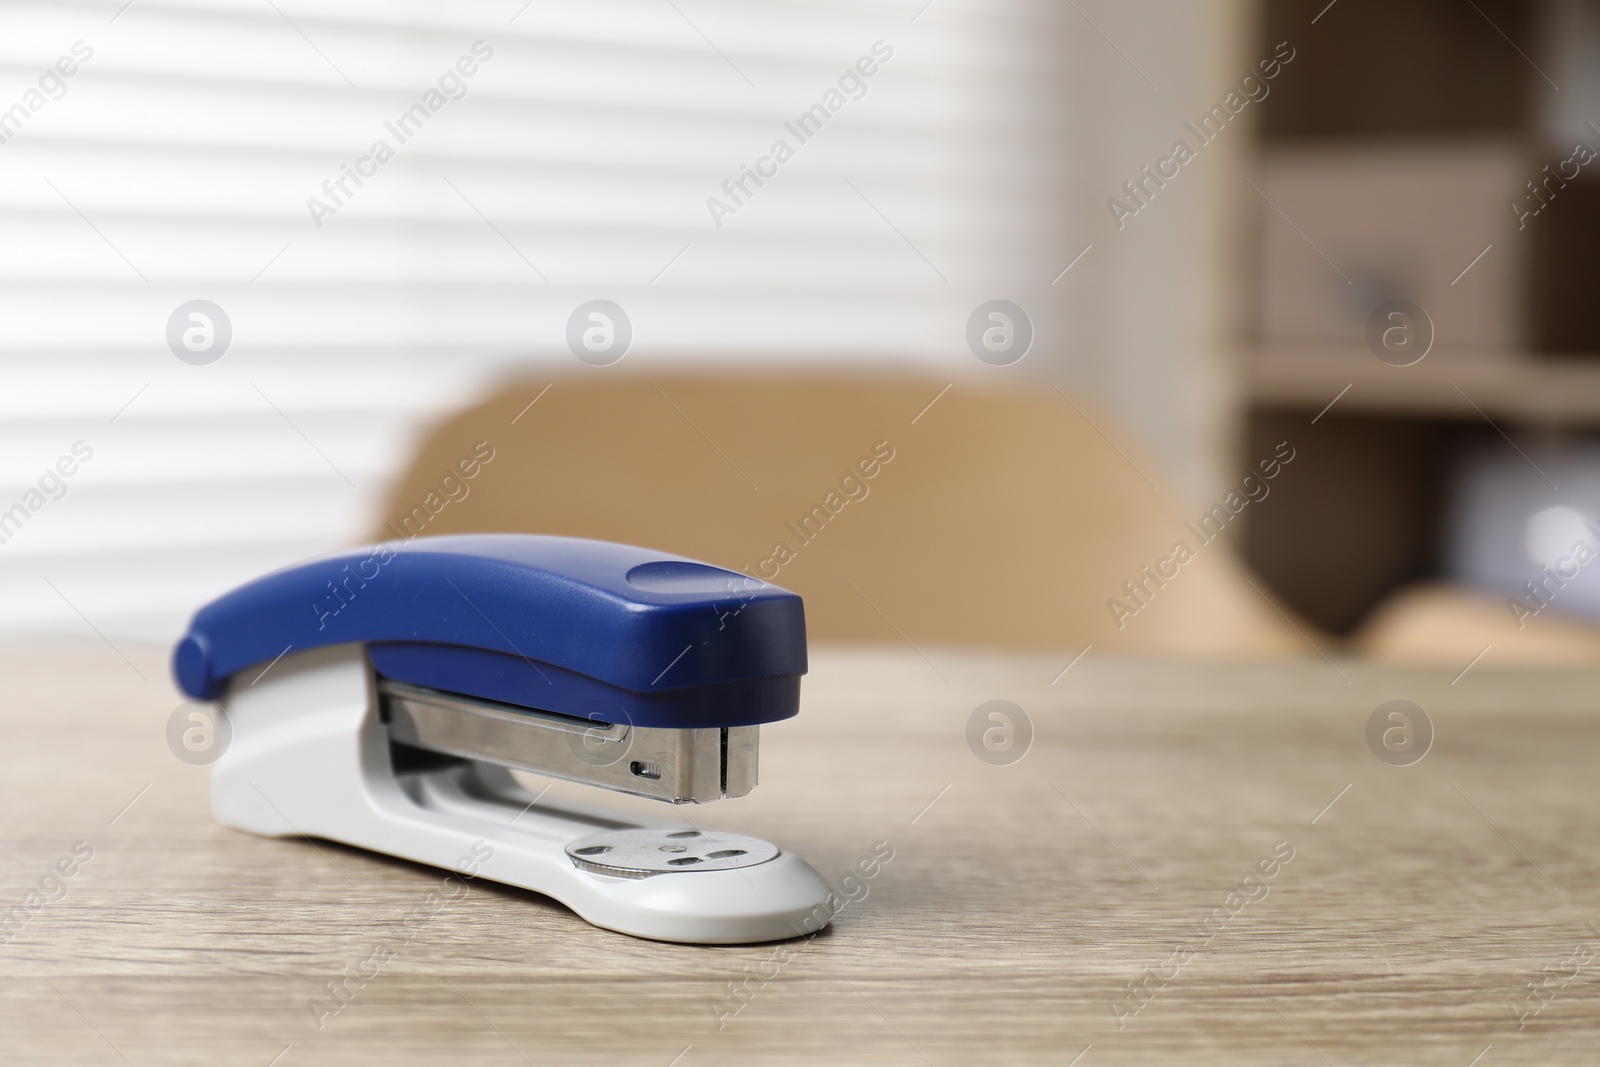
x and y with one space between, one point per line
995 516
1451 625
1424 152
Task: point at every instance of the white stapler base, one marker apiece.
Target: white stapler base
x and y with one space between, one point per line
310 756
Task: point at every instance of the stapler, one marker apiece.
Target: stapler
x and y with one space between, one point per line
383 698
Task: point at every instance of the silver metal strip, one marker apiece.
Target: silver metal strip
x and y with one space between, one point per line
679 766
739 760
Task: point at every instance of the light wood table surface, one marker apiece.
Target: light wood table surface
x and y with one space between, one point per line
1419 906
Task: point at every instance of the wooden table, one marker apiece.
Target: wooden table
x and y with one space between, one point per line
1419 905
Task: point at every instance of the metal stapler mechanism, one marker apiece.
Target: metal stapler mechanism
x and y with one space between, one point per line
383 698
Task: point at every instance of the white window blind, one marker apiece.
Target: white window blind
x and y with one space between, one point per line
536 156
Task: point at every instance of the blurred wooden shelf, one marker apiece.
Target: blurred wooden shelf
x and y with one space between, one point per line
1516 386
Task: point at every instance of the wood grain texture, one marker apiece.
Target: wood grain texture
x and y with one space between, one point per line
1020 902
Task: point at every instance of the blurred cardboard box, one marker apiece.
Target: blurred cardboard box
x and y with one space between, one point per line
1351 226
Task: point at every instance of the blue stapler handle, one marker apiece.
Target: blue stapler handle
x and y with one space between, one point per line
586 628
